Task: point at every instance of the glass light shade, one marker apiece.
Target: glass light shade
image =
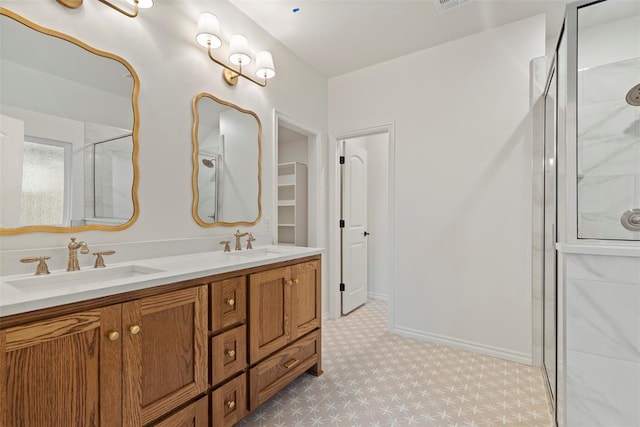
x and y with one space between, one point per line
264 65
142 4
208 30
239 50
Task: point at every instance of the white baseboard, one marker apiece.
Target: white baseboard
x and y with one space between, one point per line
475 347
379 297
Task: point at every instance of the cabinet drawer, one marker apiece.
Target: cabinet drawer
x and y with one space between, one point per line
229 402
228 302
228 354
195 415
276 372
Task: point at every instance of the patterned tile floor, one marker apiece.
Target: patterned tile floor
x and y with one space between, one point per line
374 378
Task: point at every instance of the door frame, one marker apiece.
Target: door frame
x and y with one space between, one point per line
315 230
333 252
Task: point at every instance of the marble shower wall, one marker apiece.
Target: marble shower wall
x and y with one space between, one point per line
608 150
603 340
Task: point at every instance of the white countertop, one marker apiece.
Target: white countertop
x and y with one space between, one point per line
22 293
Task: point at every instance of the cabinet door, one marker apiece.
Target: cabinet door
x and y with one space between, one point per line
269 302
63 371
165 353
305 298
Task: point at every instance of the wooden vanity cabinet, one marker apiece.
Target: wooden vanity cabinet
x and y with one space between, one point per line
198 353
125 364
284 327
284 304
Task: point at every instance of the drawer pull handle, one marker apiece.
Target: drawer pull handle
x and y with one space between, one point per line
230 404
231 302
113 335
230 353
291 363
135 329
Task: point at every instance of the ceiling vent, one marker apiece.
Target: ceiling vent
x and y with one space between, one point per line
447 5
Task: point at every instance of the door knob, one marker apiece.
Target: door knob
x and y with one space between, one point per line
366 233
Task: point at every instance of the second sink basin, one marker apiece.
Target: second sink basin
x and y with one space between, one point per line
75 278
262 251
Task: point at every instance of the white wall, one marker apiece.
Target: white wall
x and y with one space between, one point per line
160 45
462 183
294 151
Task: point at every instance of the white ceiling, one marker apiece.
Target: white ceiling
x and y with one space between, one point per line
339 36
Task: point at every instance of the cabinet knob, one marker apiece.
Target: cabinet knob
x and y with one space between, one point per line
230 404
231 302
289 282
230 353
113 336
296 281
135 329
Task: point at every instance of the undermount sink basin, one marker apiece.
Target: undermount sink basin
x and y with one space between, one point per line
75 278
259 252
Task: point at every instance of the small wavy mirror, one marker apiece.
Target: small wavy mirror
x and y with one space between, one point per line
226 163
69 133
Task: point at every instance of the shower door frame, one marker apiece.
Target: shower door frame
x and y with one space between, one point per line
549 232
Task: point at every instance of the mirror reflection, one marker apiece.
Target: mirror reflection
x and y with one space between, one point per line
68 129
226 163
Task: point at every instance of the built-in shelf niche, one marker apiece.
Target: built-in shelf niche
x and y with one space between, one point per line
292 204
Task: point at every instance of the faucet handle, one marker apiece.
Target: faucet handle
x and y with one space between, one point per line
227 248
249 240
42 267
100 260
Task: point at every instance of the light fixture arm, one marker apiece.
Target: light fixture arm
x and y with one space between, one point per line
124 12
231 75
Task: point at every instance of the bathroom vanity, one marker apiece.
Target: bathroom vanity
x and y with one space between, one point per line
199 339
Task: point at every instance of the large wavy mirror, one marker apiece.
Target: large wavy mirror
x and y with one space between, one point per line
68 129
226 163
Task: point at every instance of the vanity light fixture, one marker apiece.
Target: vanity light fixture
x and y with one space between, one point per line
208 35
137 4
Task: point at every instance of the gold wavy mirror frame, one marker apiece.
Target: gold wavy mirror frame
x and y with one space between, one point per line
90 164
227 147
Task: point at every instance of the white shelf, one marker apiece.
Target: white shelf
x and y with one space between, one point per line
292 204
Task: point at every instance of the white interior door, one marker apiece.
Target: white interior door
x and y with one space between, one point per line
354 232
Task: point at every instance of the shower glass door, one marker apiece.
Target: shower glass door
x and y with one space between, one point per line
549 356
608 109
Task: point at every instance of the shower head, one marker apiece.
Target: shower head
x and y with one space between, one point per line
208 163
633 96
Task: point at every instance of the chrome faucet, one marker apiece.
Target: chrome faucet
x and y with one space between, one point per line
237 236
72 265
